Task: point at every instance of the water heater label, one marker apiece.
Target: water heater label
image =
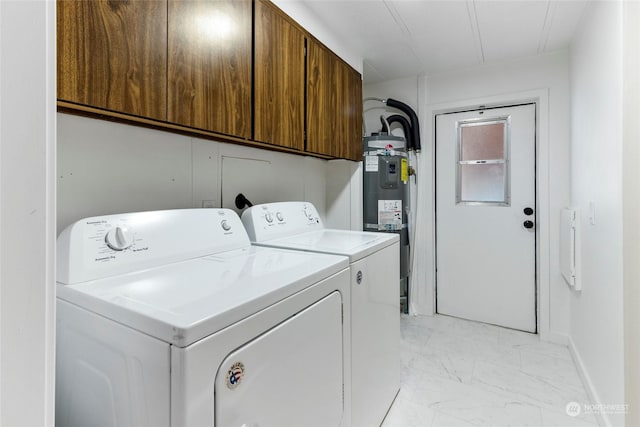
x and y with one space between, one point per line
390 215
371 164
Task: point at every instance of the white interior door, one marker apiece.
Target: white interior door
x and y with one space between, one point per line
485 214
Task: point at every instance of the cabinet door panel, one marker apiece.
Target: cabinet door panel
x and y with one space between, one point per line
112 55
279 79
349 113
210 65
334 105
321 100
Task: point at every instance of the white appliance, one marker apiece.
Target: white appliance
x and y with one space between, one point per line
172 318
375 307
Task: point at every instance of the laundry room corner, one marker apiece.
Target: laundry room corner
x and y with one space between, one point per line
344 195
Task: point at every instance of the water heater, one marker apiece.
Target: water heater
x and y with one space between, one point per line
386 196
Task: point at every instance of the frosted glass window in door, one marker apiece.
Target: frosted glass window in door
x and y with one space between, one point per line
482 162
482 141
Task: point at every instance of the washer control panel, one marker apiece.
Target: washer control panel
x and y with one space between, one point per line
109 245
274 220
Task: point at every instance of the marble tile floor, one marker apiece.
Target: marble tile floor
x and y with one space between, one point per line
458 373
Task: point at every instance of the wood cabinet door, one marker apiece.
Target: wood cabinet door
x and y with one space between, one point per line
350 120
209 81
321 100
279 81
112 55
334 105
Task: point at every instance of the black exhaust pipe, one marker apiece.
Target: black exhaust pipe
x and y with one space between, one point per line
406 127
413 118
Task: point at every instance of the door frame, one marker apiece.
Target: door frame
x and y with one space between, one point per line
509 181
540 98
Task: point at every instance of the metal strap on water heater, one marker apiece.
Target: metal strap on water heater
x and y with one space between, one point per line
386 153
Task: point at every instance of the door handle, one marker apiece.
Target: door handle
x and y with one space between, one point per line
528 224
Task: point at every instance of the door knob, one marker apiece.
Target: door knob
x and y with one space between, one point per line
528 224
528 211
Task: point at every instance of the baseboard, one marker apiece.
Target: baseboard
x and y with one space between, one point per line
602 418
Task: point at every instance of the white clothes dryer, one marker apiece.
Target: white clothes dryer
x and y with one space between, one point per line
375 300
172 318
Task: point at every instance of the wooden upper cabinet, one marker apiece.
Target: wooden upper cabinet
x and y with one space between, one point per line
334 105
279 81
209 63
112 55
225 68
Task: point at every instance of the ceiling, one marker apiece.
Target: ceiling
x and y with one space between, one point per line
401 38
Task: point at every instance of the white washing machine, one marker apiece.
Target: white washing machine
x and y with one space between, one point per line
375 307
172 318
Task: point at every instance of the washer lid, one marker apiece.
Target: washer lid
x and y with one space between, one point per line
354 244
183 302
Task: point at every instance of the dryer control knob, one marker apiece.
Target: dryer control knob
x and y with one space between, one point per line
225 225
119 238
279 216
268 217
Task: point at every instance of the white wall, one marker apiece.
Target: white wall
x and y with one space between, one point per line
106 167
596 161
631 207
404 90
344 195
27 212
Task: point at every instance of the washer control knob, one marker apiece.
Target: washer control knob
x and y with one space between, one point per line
119 238
279 216
225 225
269 217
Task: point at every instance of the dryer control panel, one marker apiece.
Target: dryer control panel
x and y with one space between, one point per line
275 220
104 246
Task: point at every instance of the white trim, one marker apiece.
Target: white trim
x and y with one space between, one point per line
541 99
51 215
602 418
1 382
